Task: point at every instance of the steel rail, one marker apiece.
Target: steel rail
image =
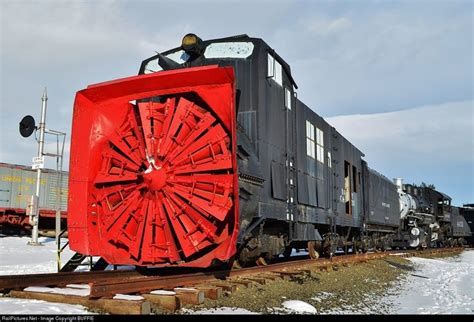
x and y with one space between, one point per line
25 280
147 283
109 283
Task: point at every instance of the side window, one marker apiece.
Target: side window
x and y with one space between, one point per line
310 146
320 145
274 70
329 159
354 179
287 98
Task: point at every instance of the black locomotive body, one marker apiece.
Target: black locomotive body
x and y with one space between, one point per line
301 183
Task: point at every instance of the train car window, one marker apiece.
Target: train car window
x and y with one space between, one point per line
320 145
310 146
287 98
274 70
229 50
329 159
179 56
354 179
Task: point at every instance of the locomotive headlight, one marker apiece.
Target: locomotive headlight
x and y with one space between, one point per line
415 231
189 40
192 45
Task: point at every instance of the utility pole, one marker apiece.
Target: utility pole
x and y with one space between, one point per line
40 160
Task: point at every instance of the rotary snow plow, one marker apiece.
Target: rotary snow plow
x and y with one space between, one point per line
153 174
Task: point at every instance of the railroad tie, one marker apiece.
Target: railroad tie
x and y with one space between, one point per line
104 305
211 292
163 301
189 296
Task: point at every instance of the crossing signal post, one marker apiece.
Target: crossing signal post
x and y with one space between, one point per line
27 127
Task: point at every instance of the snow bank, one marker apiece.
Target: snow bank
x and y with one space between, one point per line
299 307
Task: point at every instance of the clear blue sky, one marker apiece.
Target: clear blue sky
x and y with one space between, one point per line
403 70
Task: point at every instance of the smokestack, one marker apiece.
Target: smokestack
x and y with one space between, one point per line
399 183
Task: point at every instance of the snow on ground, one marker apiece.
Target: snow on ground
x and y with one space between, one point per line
437 286
16 257
299 307
321 296
447 286
128 297
20 306
219 310
287 307
60 290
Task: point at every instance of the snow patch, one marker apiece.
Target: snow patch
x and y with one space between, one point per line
219 310
163 292
319 297
58 290
83 286
128 297
300 307
21 306
16 257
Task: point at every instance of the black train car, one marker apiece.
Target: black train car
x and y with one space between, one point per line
460 231
383 212
301 183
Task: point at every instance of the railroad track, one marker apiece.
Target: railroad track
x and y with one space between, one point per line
169 292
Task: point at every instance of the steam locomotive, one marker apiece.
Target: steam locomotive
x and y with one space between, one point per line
208 156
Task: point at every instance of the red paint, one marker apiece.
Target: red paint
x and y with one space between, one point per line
155 183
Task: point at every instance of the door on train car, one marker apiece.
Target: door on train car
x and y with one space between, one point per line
348 187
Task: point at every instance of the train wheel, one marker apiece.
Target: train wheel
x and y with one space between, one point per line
329 247
236 264
313 253
261 261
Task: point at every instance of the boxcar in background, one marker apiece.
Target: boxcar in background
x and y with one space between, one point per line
18 184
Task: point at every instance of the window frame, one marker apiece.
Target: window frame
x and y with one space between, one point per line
288 100
310 140
320 145
275 67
